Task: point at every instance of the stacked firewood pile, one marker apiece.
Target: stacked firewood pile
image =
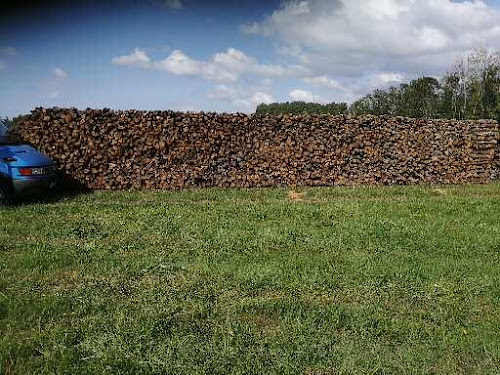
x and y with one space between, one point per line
107 149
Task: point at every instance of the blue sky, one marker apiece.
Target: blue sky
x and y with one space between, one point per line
227 55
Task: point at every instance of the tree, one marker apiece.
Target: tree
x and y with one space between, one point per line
302 108
470 90
418 98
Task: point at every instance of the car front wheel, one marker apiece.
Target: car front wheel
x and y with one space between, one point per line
6 195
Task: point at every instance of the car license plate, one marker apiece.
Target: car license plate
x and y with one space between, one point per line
37 171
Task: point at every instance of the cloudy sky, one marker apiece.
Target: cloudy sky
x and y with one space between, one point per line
227 55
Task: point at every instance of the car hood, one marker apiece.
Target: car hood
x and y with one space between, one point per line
25 155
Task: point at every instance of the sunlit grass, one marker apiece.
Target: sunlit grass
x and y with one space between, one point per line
320 280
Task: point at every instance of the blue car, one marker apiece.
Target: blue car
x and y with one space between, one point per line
23 170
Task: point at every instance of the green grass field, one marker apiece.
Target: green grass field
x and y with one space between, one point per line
394 280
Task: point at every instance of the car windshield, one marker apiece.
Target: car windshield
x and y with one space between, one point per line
4 133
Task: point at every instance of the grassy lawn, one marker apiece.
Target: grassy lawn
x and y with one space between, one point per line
394 280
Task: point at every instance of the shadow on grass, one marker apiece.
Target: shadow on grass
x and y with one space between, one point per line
67 187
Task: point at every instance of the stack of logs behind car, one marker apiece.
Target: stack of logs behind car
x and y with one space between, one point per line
107 149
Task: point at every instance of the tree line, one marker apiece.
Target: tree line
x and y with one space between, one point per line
303 108
470 90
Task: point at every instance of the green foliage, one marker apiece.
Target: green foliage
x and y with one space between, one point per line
474 86
471 90
302 108
418 98
392 280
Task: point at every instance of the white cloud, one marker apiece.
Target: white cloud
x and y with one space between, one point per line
385 79
261 97
226 66
53 94
267 82
340 49
59 73
181 64
249 104
242 99
306 96
55 84
323 81
8 51
224 92
138 58
353 37
174 4
290 50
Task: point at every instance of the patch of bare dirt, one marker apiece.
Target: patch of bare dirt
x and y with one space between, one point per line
296 196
